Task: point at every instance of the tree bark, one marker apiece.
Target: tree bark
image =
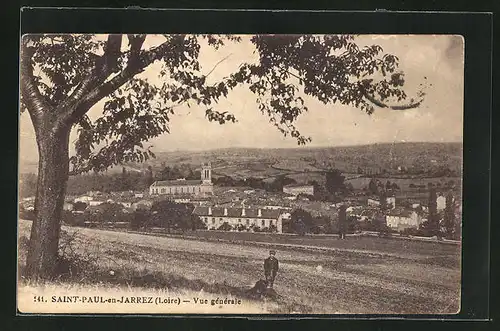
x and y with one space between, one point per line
53 170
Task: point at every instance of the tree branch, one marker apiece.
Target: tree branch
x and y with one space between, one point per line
378 103
215 66
31 95
143 59
104 66
136 42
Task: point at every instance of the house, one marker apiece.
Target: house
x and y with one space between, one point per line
403 218
391 201
441 202
362 213
142 204
126 204
94 202
375 202
84 198
68 206
277 207
296 189
214 217
182 199
182 186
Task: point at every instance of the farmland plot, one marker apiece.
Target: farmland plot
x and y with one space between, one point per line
410 280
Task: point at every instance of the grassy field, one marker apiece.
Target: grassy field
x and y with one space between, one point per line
449 254
410 278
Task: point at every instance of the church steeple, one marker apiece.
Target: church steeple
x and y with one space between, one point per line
206 173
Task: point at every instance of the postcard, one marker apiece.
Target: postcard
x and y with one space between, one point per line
240 174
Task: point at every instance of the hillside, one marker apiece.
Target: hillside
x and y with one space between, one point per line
258 162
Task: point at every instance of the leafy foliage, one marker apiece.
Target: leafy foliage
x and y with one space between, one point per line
449 216
335 181
432 224
171 215
342 220
301 221
63 76
76 71
225 227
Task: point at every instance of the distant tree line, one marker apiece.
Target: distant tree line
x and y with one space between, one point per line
276 185
127 180
164 214
177 171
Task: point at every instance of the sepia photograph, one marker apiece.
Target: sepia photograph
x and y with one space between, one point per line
240 174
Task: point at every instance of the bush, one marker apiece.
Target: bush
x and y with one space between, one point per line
72 219
79 206
364 226
273 228
410 232
317 229
255 228
70 263
225 227
197 224
331 228
139 219
241 228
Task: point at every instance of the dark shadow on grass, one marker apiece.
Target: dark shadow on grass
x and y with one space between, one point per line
157 280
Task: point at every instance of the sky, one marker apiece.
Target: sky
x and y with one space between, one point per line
439 118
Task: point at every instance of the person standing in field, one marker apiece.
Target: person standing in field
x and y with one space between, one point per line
342 222
271 268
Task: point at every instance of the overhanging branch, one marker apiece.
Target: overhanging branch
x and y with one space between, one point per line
412 105
104 66
142 60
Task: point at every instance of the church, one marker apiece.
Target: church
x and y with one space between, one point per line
201 187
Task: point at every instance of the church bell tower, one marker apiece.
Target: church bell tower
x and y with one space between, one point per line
206 173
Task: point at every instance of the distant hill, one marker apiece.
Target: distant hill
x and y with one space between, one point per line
346 158
268 162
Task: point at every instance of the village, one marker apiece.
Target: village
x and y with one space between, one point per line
296 208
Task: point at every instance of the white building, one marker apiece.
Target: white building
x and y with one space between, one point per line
277 208
68 206
441 202
201 187
402 219
296 189
214 217
182 199
84 198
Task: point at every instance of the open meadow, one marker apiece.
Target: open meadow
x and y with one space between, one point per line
355 276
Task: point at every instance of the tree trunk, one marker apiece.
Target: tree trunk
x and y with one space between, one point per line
53 172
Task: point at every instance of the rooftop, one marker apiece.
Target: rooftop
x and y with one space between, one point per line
177 182
237 212
400 212
298 185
